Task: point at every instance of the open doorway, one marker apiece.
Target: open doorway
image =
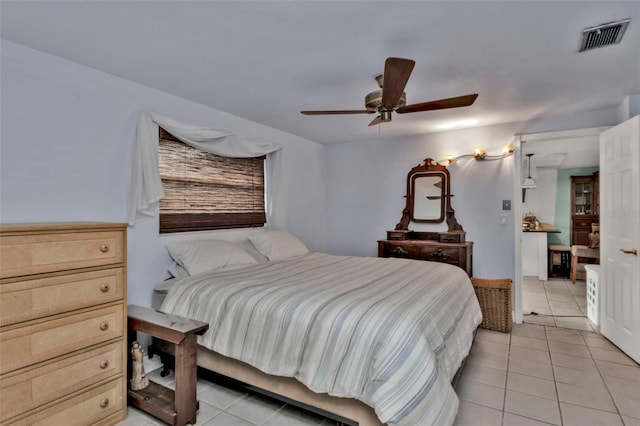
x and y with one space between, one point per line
554 160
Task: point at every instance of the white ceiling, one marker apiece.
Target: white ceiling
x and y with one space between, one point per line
562 150
267 60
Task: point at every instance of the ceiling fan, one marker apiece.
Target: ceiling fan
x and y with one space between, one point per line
391 96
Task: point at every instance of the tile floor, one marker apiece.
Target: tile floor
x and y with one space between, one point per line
220 406
557 302
539 375
554 369
536 375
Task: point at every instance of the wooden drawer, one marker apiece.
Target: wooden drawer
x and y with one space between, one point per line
458 254
442 254
88 408
582 224
20 347
30 299
27 390
436 253
398 235
452 237
27 254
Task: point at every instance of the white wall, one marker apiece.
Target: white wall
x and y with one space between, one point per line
629 107
367 179
542 201
634 105
65 152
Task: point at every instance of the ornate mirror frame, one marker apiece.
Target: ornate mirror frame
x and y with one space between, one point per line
442 192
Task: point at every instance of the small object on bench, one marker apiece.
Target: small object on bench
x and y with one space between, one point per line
138 378
494 296
175 408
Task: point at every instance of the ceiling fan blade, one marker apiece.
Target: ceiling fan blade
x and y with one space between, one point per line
336 112
459 101
375 121
395 78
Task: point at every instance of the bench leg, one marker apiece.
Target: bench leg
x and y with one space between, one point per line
186 378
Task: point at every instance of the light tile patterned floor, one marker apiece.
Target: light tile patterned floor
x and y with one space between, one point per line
535 375
556 302
548 375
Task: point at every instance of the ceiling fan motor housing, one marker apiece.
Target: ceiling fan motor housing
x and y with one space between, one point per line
373 101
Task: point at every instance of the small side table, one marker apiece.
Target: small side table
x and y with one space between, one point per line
175 408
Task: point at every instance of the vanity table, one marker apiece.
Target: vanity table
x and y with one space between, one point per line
428 200
429 246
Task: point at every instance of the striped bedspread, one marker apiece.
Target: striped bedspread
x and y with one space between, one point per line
388 332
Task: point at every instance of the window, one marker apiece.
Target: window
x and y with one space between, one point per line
205 191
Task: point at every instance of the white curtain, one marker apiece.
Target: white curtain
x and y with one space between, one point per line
146 185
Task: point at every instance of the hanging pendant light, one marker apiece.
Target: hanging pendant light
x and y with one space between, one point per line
529 183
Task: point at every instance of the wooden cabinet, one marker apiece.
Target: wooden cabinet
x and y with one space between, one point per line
432 248
63 324
585 207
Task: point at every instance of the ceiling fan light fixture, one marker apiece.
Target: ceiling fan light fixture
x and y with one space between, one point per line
373 101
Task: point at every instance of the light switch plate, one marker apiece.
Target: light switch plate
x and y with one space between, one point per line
506 204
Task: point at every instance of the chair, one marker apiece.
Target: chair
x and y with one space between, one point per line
563 268
582 252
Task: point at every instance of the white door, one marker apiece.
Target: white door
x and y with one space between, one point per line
620 236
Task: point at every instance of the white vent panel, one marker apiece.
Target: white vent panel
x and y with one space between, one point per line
603 35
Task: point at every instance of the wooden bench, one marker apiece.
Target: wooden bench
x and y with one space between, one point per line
175 408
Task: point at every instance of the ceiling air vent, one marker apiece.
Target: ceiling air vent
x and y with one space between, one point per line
603 35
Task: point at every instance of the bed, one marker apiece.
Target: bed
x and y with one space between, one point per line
376 341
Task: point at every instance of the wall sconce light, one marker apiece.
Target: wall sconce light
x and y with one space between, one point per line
480 155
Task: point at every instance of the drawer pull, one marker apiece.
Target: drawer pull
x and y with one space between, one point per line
104 403
440 254
399 251
447 239
632 251
104 363
104 248
104 326
104 288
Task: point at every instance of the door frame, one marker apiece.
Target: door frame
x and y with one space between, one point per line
517 227
518 140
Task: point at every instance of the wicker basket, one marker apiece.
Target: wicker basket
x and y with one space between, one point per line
495 302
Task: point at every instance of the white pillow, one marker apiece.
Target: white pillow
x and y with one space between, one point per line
198 256
253 251
165 285
278 245
178 271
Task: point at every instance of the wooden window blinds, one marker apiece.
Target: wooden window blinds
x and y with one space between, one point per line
204 191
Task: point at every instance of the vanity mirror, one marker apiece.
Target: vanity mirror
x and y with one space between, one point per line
428 198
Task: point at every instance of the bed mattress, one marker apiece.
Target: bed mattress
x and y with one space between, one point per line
388 332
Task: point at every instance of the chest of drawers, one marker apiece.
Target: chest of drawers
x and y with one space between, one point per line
458 254
63 324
